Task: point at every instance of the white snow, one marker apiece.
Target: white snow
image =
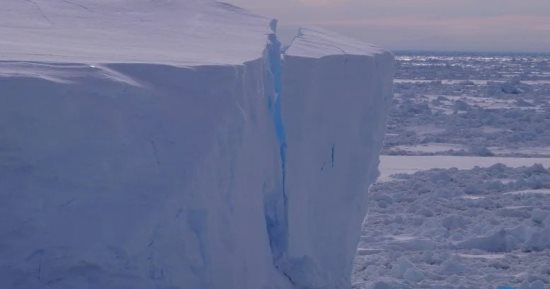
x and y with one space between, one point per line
483 256
314 42
184 33
429 147
469 197
153 144
538 151
527 192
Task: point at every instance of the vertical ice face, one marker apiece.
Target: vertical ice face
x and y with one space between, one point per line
157 182
336 94
135 153
136 146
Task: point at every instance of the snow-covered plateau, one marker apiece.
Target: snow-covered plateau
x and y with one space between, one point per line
173 145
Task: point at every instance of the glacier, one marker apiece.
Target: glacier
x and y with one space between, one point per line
174 144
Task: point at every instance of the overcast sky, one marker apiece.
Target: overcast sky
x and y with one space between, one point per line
482 25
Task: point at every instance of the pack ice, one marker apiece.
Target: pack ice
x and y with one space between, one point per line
171 144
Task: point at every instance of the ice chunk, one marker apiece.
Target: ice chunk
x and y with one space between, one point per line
539 215
537 284
413 275
401 266
388 283
453 266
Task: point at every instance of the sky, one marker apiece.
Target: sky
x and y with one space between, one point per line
446 25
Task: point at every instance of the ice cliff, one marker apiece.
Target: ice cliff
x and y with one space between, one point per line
170 144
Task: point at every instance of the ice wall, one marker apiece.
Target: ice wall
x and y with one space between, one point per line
156 182
138 155
336 94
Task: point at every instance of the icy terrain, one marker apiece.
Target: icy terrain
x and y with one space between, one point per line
168 144
458 229
463 201
478 105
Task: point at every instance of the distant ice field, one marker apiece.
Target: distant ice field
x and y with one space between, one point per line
463 197
391 165
470 105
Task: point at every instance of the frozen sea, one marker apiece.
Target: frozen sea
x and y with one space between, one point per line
463 199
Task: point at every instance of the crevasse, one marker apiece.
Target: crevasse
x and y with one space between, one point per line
276 202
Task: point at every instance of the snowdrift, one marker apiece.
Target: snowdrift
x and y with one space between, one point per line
169 144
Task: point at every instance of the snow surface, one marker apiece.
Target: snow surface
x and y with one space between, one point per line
165 144
526 192
183 33
313 42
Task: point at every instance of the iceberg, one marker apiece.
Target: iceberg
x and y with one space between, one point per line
175 144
